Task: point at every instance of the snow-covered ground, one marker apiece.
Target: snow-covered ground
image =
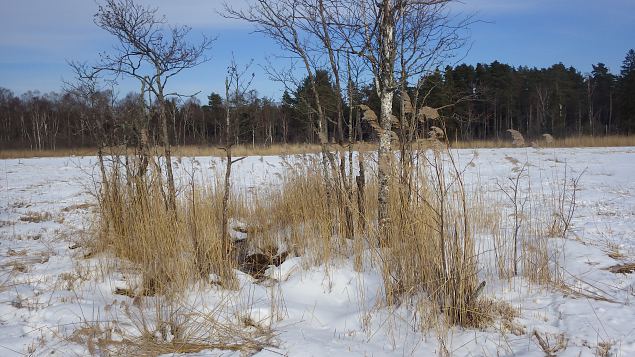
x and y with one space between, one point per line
51 294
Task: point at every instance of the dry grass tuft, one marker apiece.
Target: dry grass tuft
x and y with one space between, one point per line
627 268
517 137
429 250
615 254
603 349
429 258
551 344
79 206
36 217
170 249
166 337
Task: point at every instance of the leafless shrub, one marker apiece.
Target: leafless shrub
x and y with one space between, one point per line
519 200
566 204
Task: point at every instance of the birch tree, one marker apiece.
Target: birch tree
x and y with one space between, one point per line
398 40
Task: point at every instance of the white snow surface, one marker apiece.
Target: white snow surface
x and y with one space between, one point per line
49 290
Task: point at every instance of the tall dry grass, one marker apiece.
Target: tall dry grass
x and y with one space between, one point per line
187 151
166 255
171 249
434 257
292 149
550 141
429 253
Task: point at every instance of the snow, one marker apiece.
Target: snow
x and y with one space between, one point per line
49 291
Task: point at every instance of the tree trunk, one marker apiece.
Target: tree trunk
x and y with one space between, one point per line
171 196
384 169
386 82
225 242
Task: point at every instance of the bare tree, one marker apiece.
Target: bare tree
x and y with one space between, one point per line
236 85
288 22
151 51
281 20
95 106
404 37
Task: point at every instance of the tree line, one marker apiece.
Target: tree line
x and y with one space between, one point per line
487 99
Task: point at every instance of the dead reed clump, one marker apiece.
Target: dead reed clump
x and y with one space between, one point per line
517 138
431 255
551 344
430 251
158 327
166 254
169 248
298 217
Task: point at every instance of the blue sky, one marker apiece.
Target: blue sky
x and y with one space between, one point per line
38 36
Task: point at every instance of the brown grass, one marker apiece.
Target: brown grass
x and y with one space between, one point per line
429 251
292 149
79 206
260 150
551 344
36 217
175 332
26 153
171 249
550 141
191 150
627 268
164 255
430 258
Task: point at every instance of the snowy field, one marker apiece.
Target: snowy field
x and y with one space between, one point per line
50 293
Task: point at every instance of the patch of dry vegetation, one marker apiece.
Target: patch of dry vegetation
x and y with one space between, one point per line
626 268
164 254
292 149
36 217
429 251
431 258
187 151
171 249
547 140
26 153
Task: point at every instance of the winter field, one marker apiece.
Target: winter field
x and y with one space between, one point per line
57 298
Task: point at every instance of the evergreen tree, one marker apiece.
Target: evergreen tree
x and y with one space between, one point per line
603 92
626 85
